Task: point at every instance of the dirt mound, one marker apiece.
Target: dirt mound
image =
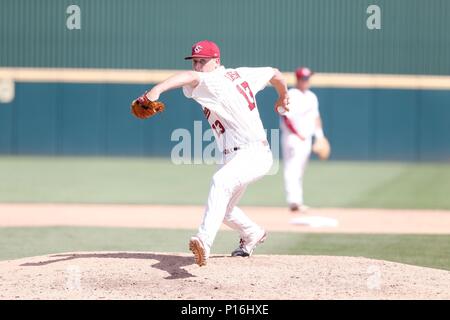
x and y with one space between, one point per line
140 275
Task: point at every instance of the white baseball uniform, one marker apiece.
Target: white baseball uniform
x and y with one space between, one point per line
227 97
302 115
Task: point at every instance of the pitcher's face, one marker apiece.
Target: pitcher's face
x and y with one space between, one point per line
205 64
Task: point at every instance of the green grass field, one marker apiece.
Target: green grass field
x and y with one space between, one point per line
423 250
158 181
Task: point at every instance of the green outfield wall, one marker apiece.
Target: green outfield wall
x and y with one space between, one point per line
95 119
56 113
327 35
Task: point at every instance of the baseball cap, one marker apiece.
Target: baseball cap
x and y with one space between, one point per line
204 49
303 73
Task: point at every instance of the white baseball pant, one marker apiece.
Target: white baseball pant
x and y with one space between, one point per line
228 184
296 154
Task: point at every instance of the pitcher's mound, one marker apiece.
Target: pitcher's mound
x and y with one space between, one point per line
127 275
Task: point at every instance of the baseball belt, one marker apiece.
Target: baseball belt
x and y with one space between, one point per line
245 146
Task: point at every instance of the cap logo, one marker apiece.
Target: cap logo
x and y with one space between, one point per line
198 48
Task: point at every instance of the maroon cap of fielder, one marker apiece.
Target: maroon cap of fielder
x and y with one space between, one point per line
303 73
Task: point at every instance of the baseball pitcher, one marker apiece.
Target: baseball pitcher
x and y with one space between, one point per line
227 97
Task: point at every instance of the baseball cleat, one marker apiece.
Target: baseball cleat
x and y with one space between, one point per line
298 208
246 246
239 252
198 249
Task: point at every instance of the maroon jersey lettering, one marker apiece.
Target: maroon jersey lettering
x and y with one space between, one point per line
206 112
232 75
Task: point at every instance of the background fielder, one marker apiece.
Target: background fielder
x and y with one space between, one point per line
298 126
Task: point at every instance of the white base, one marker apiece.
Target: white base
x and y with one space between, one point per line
315 222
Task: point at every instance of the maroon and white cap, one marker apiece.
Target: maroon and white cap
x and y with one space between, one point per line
204 49
303 73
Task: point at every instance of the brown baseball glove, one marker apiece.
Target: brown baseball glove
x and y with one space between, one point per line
322 148
143 108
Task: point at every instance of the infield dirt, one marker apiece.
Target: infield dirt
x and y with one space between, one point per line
146 275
